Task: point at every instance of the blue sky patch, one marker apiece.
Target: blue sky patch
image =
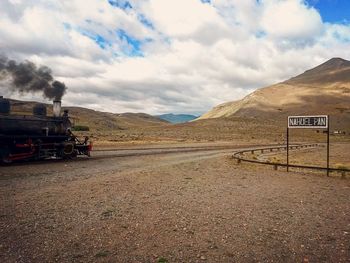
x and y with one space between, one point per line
145 21
120 4
67 26
332 11
260 34
99 40
134 45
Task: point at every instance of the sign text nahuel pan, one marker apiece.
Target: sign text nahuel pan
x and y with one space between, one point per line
320 121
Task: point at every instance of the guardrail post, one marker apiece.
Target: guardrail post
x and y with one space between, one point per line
328 130
287 149
343 175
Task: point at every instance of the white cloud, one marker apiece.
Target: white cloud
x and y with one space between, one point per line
167 56
291 20
181 17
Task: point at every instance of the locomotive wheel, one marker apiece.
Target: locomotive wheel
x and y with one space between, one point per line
68 149
74 153
6 160
4 155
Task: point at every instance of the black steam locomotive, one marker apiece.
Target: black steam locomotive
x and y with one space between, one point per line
39 136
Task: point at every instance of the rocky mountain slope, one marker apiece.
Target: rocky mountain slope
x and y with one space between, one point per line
96 120
324 89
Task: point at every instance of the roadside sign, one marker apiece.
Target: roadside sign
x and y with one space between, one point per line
308 122
318 121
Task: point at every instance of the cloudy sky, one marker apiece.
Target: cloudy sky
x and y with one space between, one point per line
179 56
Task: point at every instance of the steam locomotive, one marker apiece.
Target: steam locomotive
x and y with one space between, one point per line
39 136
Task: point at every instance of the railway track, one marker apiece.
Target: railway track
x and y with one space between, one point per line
239 154
99 154
126 152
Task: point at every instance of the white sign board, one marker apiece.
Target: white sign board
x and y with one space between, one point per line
318 121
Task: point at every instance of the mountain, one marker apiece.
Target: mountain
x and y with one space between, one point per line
96 120
324 89
177 118
334 70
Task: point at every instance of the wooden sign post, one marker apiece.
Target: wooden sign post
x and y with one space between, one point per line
308 122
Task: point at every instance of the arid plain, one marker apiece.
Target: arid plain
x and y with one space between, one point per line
157 192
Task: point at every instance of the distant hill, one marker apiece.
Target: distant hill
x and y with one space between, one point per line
324 89
177 118
96 120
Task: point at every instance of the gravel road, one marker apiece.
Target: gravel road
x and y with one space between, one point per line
173 206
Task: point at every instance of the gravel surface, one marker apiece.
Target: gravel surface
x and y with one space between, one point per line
177 207
339 156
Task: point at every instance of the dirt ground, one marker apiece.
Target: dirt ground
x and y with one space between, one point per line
339 156
195 206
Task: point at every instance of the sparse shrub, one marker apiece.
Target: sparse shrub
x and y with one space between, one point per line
80 128
341 166
275 159
162 260
103 253
108 213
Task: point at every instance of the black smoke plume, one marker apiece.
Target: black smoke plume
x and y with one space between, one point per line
27 77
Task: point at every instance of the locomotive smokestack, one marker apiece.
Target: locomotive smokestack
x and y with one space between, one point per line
56 109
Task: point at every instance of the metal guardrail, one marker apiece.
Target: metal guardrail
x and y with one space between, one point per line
239 157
